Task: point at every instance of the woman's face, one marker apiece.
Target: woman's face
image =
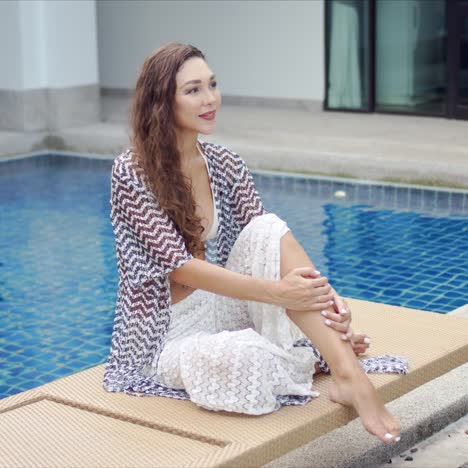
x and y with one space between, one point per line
197 97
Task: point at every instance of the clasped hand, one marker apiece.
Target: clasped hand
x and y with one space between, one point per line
304 289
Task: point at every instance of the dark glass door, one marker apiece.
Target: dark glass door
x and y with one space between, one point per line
411 61
347 56
397 56
458 60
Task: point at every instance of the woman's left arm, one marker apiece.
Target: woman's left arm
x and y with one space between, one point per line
248 205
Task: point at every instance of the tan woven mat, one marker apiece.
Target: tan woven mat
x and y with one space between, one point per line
74 422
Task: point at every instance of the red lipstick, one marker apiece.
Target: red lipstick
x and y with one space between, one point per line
208 115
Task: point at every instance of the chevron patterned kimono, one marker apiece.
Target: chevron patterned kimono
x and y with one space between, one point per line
149 247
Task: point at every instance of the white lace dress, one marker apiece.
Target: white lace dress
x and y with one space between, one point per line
236 355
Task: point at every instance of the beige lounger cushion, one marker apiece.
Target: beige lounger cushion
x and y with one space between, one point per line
74 422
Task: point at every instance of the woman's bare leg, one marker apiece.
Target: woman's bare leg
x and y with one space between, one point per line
350 385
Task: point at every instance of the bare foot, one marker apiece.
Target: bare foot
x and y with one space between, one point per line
360 343
358 392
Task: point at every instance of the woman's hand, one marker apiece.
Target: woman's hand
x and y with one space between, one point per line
303 289
340 317
360 342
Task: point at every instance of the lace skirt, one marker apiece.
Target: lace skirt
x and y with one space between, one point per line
243 356
235 355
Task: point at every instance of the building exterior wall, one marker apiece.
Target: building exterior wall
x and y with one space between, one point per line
10 46
48 44
270 49
49 71
71 58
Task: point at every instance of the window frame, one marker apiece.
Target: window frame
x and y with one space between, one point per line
452 110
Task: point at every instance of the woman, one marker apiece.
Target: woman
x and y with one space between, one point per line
217 301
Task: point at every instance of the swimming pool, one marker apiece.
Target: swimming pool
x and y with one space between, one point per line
58 276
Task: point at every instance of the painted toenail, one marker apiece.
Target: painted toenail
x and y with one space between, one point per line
327 322
344 337
388 436
323 313
344 311
367 340
397 439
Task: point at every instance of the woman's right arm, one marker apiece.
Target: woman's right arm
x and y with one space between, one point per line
148 245
301 289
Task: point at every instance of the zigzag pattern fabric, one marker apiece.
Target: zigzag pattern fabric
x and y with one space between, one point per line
386 364
148 248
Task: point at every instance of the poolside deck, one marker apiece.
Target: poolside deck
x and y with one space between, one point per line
424 150
74 422
92 427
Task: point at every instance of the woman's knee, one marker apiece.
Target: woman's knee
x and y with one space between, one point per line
257 244
263 229
266 220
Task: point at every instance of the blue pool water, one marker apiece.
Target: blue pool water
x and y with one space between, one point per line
58 273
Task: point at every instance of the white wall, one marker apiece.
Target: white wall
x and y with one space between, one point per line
10 46
47 43
70 42
32 31
256 48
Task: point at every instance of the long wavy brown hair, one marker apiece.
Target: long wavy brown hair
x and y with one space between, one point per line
154 139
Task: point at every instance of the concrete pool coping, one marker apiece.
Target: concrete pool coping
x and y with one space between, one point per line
265 172
410 149
422 412
53 423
